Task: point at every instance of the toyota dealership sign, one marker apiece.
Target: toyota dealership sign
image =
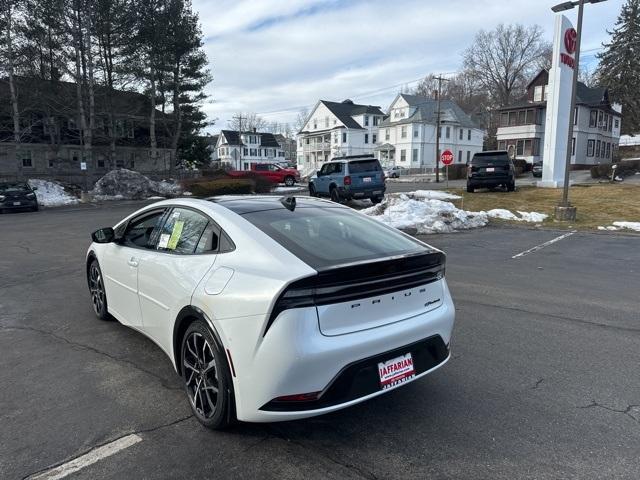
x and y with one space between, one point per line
570 43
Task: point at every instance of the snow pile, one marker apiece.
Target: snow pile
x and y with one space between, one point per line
424 215
287 189
51 194
127 184
427 211
635 226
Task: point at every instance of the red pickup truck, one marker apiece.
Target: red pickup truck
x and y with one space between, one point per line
273 172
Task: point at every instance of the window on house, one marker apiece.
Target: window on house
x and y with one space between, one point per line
538 93
600 119
610 123
307 140
27 162
366 138
374 138
573 146
416 132
315 124
344 137
448 132
591 145
575 116
120 161
593 118
129 125
51 162
598 148
504 119
100 160
459 156
502 145
528 148
608 150
386 132
468 156
461 133
520 147
252 152
414 155
403 155
74 155
617 123
512 119
468 134
326 122
403 132
375 120
522 117
245 151
366 120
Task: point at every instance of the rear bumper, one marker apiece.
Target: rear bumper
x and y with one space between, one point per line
294 357
362 192
486 181
24 204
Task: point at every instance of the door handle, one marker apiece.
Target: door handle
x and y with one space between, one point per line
133 262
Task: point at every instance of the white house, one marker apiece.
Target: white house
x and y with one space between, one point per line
596 131
251 147
407 136
336 129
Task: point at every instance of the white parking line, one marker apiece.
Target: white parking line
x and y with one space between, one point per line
87 459
545 244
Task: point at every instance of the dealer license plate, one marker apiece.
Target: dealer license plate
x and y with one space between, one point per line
366 179
490 169
15 204
395 371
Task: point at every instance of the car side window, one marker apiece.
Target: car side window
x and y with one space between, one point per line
209 240
182 230
139 232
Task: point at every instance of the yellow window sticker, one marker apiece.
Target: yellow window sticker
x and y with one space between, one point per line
175 235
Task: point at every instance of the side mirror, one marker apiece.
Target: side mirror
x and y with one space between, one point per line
34 188
103 235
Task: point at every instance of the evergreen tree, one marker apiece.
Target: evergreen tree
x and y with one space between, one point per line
619 69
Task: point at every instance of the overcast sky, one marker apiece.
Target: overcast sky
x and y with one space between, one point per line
272 57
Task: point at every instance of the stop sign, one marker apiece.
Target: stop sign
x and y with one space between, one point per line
446 157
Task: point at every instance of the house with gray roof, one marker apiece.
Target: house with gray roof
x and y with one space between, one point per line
596 131
407 135
335 129
241 150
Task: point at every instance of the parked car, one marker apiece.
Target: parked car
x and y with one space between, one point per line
392 172
536 169
17 196
275 173
352 177
274 309
491 169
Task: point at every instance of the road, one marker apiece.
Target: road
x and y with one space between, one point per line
544 381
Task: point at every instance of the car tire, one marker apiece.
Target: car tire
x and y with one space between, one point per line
376 200
312 191
289 181
206 377
35 209
470 189
335 195
511 187
97 290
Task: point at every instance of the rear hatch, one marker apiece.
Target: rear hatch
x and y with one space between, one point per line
494 165
366 174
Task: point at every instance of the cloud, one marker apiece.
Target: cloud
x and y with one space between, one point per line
271 56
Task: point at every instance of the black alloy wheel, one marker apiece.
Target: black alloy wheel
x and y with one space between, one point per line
96 288
206 377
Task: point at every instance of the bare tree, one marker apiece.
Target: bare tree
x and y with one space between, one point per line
502 59
249 122
301 119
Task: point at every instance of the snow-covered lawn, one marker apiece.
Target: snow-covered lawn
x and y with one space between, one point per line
635 226
51 194
428 211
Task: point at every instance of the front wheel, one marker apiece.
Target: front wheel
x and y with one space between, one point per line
98 294
470 189
207 380
289 181
312 190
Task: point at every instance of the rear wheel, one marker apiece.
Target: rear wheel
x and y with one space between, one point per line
511 186
376 200
289 181
335 195
470 189
98 294
207 380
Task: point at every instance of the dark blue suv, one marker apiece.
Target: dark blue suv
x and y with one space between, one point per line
346 178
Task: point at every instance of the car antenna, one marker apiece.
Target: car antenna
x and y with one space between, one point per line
289 203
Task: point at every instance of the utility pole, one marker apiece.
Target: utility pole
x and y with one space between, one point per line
438 94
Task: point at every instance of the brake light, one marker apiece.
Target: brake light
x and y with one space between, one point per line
347 180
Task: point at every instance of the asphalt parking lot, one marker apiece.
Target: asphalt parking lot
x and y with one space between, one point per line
544 381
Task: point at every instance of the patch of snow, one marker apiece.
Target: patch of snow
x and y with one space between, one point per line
435 195
635 226
156 197
51 194
127 184
187 194
533 217
502 214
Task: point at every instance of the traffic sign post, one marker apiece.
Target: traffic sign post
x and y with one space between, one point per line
447 159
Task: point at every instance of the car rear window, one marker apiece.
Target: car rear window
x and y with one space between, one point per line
362 166
495 159
14 187
328 237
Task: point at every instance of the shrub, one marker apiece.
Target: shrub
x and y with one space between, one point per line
623 169
457 171
221 186
261 184
521 166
